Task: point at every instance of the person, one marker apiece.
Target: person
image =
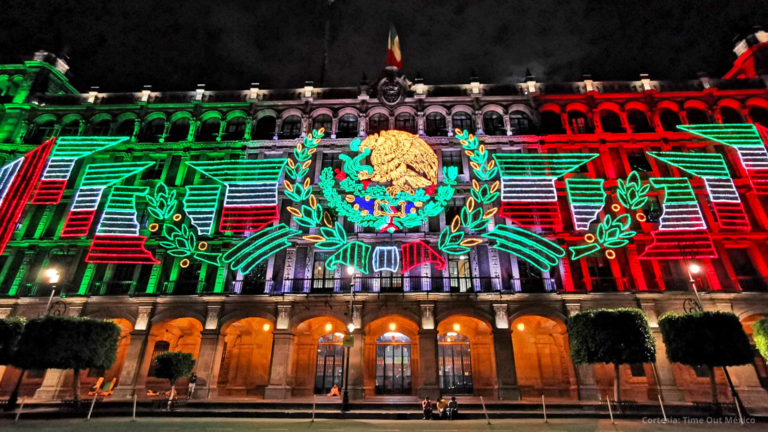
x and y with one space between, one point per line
426 405
453 408
334 391
192 381
442 406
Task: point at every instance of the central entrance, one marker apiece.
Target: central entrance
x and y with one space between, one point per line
393 364
330 363
455 363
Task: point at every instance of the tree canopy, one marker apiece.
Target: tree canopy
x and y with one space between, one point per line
761 336
174 366
10 332
710 339
618 336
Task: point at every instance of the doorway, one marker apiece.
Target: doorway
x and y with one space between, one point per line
455 364
330 363
393 364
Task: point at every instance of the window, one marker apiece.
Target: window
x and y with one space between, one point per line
519 123
652 209
460 272
40 132
235 129
71 128
729 115
331 160
638 161
579 122
600 274
152 130
155 172
669 120
323 121
436 125
611 122
637 369
125 127
179 131
453 159
209 130
746 274
322 278
453 209
551 123
701 371
377 123
759 115
405 122
463 121
348 126
638 121
696 116
101 127
493 123
291 127
265 128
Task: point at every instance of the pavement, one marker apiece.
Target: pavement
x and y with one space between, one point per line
265 425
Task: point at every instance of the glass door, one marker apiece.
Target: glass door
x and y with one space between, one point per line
330 363
455 364
393 364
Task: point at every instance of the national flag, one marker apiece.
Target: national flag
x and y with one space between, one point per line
394 58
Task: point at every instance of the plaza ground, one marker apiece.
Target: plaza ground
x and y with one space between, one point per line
228 425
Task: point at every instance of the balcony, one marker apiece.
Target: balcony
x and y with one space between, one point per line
112 288
184 287
751 283
534 285
387 285
609 284
251 287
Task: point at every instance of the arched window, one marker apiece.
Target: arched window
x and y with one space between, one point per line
730 116
179 130
377 123
125 127
463 121
436 125
696 116
638 121
669 120
101 127
493 123
40 132
551 123
348 126
323 121
611 122
520 123
264 128
405 122
579 123
160 347
152 130
291 127
209 130
235 129
759 115
70 128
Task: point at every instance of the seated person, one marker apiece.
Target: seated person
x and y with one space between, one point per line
426 405
334 391
453 408
442 406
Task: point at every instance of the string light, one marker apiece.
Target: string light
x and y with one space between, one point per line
587 200
418 253
201 204
258 247
354 254
386 258
533 248
681 210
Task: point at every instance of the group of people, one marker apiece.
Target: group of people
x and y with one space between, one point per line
445 410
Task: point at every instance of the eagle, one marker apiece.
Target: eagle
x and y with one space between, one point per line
401 158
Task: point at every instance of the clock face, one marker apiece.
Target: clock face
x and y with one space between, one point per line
390 91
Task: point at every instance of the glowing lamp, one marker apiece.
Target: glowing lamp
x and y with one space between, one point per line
392 326
266 327
694 268
328 327
51 272
351 327
457 327
521 326
350 270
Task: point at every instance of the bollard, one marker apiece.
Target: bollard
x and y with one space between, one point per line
91 410
608 399
662 409
484 410
20 408
544 404
314 401
134 407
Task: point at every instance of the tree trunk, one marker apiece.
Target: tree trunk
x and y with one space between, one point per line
736 397
170 397
617 384
14 399
76 386
713 385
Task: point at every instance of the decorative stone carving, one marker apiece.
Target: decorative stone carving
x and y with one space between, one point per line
427 316
283 317
212 320
142 321
502 319
573 308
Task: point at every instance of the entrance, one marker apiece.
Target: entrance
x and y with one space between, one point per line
455 364
393 364
330 363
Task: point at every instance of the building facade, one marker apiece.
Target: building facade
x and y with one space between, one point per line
252 228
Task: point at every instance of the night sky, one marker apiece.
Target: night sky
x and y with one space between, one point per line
174 45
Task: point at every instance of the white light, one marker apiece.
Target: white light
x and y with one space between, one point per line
351 327
51 272
694 268
350 270
53 279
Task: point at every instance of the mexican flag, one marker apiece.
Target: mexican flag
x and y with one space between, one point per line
394 58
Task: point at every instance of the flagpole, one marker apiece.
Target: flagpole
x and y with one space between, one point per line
326 42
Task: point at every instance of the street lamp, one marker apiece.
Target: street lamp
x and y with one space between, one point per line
693 269
345 398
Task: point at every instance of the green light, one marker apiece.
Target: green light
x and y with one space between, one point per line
107 174
533 248
551 165
258 247
707 165
611 234
201 204
587 200
736 135
353 254
632 193
163 205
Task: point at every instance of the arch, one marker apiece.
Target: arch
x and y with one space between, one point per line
154 115
539 310
532 114
211 114
466 366
264 126
377 123
730 115
610 121
71 118
246 356
637 120
551 122
290 112
265 113
756 102
173 314
464 120
374 379
100 124
44 118
228 319
41 129
321 111
579 122
108 314
694 103
404 109
493 107
346 127
668 119
435 124
493 123
235 114
101 117
70 125
305 361
126 116
324 121
694 114
386 311
462 108
577 106
348 110
406 121
668 105
637 105
758 115
465 311
521 123
180 115
291 127
301 317
611 106
234 127
181 334
731 103
436 108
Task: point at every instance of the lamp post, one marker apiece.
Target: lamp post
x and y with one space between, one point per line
345 398
693 269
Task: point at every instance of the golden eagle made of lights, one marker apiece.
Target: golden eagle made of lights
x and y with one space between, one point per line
401 158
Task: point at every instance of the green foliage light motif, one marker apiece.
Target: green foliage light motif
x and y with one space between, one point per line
163 204
533 248
632 193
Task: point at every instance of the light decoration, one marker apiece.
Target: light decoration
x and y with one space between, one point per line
97 177
722 192
354 254
587 200
402 158
117 239
201 204
163 204
59 169
611 234
528 193
17 183
250 200
258 247
533 248
748 140
418 253
386 258
683 232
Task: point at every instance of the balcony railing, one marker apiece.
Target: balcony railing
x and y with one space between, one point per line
609 284
752 283
250 287
112 288
387 284
534 285
184 287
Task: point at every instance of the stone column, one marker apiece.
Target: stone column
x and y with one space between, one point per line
428 361
505 365
280 368
211 344
357 366
126 383
585 377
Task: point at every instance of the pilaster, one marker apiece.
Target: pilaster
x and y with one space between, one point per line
428 363
280 371
505 365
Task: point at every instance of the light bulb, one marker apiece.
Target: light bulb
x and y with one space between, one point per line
328 327
694 268
521 326
392 326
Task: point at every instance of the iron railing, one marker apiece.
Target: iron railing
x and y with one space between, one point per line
609 284
534 285
395 284
112 288
183 287
250 287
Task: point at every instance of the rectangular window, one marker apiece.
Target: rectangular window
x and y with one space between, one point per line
638 370
460 271
453 159
637 160
322 278
331 160
701 371
652 209
154 172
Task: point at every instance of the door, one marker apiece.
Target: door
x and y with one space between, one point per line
393 364
455 364
330 363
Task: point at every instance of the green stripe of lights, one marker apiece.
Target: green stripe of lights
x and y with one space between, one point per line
585 191
540 165
533 248
241 171
77 147
677 190
123 198
707 165
736 135
103 175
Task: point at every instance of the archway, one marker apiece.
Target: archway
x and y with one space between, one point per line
176 335
465 358
245 357
542 358
91 377
318 341
391 357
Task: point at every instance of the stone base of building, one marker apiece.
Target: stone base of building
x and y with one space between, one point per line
432 392
587 393
123 393
672 394
510 393
277 393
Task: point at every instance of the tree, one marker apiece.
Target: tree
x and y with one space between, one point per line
760 335
173 366
618 336
53 342
10 332
710 339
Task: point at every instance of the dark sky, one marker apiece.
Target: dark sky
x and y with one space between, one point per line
174 45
